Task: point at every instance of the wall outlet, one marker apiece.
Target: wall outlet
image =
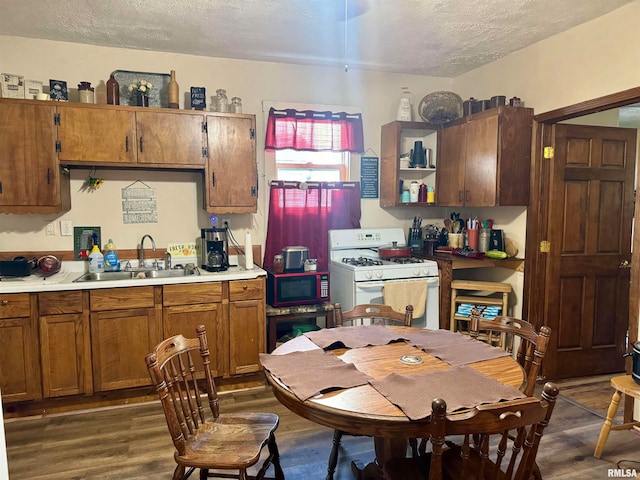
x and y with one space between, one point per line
225 222
50 229
66 228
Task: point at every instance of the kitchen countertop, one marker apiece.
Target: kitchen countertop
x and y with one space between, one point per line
63 280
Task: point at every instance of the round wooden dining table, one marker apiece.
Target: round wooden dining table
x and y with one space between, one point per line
362 410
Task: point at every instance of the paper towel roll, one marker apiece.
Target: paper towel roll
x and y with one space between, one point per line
248 252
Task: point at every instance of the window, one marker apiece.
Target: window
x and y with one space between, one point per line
305 166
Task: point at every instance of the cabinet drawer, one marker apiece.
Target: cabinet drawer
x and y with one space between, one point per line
246 289
192 293
55 303
13 305
121 298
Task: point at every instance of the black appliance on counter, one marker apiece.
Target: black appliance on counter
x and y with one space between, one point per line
214 249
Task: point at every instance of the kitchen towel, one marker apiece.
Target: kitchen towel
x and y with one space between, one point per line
400 294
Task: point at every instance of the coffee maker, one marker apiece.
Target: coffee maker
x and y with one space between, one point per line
214 251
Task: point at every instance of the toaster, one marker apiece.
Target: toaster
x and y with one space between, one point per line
294 258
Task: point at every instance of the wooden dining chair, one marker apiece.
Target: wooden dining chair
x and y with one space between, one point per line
509 435
369 313
515 334
431 464
203 437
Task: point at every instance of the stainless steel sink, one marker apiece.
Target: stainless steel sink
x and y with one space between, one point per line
135 274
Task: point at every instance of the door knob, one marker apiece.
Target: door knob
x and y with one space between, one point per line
624 264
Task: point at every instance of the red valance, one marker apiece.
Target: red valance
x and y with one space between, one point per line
314 131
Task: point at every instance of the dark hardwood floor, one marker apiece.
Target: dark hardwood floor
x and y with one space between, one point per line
133 442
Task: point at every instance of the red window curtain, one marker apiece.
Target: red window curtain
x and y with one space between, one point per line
314 131
302 214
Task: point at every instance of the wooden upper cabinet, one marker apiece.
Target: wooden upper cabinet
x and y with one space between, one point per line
170 138
231 175
398 138
30 180
485 159
96 135
451 171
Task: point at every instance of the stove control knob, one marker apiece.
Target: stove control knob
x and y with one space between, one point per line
369 275
379 274
425 271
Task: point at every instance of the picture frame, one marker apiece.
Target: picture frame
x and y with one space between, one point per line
58 90
198 98
32 88
11 85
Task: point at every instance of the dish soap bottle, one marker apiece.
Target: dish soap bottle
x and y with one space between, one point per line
111 262
96 260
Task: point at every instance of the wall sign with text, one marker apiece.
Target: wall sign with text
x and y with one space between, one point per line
369 177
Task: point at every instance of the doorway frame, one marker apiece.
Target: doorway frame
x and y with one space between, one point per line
537 214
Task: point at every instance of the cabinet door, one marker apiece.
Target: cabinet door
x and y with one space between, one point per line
450 180
481 167
64 356
247 325
120 340
170 138
19 367
183 320
65 351
96 134
247 331
231 172
29 171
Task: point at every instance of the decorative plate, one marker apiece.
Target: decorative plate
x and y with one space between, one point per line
411 359
440 107
159 96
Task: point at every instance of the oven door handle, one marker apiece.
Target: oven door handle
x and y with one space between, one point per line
365 286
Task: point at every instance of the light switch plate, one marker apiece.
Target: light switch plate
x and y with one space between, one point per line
66 228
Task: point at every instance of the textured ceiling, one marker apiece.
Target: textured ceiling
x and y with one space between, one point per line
428 37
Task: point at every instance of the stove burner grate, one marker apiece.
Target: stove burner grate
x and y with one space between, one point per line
362 261
404 260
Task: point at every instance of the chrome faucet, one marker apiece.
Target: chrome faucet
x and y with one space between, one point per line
141 256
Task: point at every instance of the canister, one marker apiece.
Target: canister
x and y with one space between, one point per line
484 239
414 191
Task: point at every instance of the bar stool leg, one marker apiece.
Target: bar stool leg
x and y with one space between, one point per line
606 427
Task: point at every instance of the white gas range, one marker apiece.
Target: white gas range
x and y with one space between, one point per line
358 272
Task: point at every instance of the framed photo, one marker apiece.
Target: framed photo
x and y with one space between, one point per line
198 98
11 86
32 88
58 90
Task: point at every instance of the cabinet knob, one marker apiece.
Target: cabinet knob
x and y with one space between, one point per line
5 302
245 286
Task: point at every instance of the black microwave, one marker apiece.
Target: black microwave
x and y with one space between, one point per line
300 288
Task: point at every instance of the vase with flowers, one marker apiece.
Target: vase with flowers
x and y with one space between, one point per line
139 91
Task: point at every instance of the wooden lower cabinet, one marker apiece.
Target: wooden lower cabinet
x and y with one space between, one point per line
65 348
122 335
19 366
247 325
186 306
79 342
